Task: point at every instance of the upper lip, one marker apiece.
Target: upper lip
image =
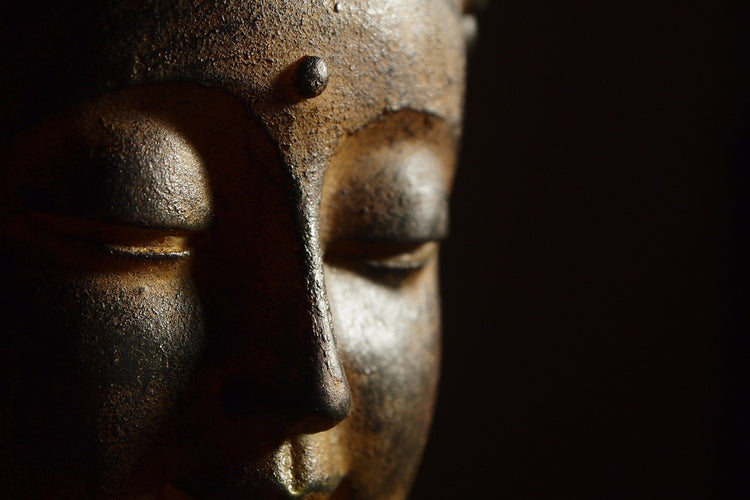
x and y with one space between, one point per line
298 467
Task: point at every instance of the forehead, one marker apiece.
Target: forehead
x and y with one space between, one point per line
382 55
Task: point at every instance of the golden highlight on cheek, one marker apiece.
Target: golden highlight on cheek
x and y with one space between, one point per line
388 329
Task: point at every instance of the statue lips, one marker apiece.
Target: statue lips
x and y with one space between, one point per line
305 466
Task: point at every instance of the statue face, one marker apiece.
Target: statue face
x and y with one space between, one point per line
217 283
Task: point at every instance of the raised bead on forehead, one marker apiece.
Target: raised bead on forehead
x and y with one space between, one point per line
312 77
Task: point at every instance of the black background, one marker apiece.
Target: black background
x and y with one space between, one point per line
594 282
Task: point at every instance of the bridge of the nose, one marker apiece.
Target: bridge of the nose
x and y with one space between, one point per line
269 317
258 268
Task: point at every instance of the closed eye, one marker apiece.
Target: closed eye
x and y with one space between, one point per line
390 263
166 247
121 240
403 257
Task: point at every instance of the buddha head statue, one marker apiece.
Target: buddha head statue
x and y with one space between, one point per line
219 229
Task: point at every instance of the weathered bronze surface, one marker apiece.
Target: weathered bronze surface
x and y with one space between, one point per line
215 285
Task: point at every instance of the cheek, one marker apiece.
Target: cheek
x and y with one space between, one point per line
117 348
389 340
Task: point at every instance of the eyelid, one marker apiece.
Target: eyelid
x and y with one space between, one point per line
115 239
409 258
383 256
167 247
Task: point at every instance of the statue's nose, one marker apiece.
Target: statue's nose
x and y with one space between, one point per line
268 323
298 375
